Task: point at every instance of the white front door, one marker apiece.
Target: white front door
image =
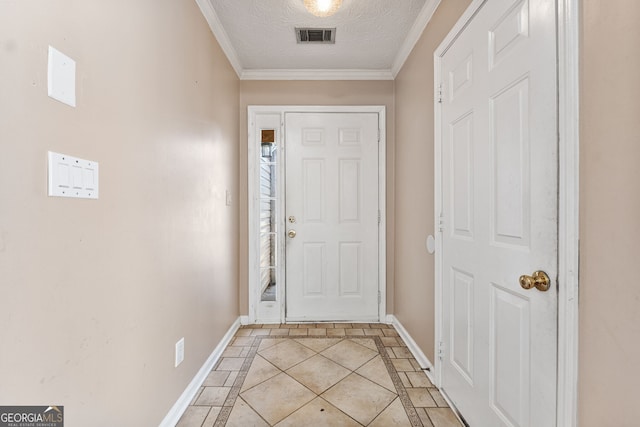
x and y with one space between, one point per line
332 207
499 215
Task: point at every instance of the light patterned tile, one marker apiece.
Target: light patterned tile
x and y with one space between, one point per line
243 332
194 416
390 341
376 371
318 373
211 418
279 332
349 354
394 415
193 401
266 343
437 397
402 365
256 332
242 341
377 332
299 331
318 344
443 417
243 416
318 412
418 379
216 379
230 364
402 352
421 398
278 397
422 413
355 331
390 333
317 331
213 396
359 398
231 379
404 379
260 371
367 342
232 351
335 332
286 354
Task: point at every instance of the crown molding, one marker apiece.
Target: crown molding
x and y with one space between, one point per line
220 34
316 75
415 32
413 36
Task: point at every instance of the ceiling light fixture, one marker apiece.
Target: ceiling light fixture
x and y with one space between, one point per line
322 8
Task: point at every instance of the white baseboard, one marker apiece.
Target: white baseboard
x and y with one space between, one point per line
244 320
174 414
421 358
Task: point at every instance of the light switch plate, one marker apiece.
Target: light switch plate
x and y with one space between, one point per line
72 177
61 77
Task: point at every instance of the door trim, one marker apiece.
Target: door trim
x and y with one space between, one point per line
278 112
567 19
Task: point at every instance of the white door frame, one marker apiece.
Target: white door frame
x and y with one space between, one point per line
277 113
568 202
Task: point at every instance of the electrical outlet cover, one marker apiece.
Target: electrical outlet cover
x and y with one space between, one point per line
61 77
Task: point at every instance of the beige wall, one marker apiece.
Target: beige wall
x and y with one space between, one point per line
609 214
414 267
314 93
94 294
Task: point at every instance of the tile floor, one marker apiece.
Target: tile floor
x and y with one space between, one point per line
327 374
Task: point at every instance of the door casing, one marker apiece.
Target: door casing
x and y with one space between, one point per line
274 117
568 201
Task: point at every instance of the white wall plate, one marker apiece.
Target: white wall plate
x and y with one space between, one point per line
72 177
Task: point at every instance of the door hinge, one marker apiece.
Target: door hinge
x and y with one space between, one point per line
441 222
439 93
379 217
440 350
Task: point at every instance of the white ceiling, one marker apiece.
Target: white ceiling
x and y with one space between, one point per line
373 37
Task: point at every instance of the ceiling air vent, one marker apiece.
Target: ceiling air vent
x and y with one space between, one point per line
316 35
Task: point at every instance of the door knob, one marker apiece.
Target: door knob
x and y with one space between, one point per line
291 234
540 280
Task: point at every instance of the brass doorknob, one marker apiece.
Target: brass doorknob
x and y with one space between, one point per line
291 233
540 280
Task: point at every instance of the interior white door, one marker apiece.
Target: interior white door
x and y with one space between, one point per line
332 207
499 202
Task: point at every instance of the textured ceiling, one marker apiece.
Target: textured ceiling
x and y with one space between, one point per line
371 35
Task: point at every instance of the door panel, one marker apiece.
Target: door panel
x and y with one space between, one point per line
499 190
332 191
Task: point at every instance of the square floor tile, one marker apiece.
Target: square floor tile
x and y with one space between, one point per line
278 397
260 371
318 413
318 344
230 364
194 416
359 398
421 398
443 417
349 354
376 371
418 379
394 415
318 373
213 396
287 354
243 416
